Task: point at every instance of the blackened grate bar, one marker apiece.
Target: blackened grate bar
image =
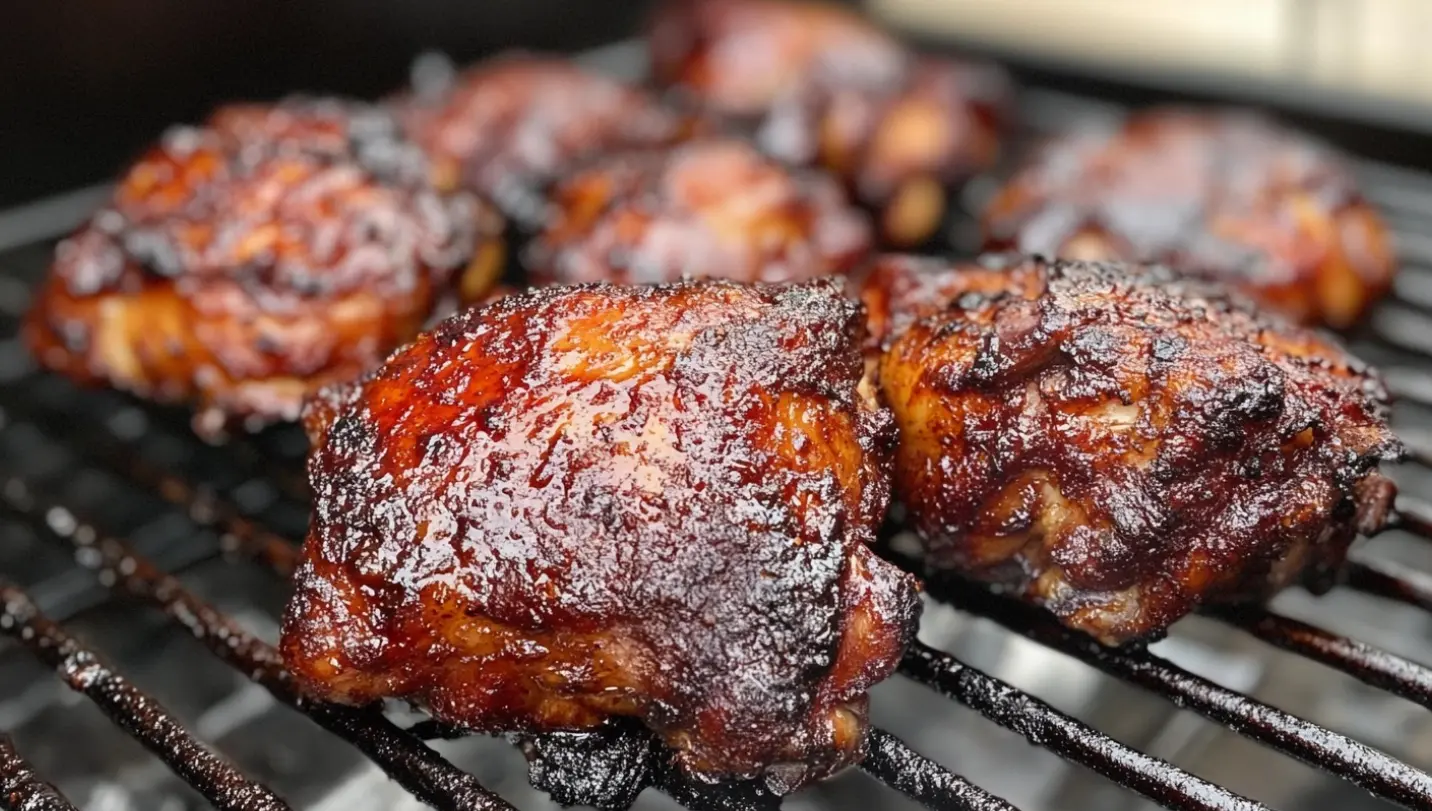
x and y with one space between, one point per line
1045 726
406 759
1414 589
1360 660
896 765
138 714
1364 766
20 788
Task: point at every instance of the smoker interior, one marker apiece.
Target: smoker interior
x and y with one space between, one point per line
77 466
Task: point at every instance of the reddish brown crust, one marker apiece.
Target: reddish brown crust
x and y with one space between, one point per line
819 85
509 125
592 501
711 208
1120 445
241 264
1224 195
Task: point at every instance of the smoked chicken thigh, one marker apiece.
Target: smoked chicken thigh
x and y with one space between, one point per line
1225 195
1121 445
713 208
244 263
816 84
506 127
594 501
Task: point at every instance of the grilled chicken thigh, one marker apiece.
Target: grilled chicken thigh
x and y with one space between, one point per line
818 85
1228 196
1120 445
585 502
507 126
713 208
243 263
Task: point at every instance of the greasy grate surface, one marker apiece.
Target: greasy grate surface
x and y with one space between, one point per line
197 540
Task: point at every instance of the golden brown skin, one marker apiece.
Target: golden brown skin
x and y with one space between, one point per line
1224 195
509 125
1121 446
713 208
595 501
242 264
819 85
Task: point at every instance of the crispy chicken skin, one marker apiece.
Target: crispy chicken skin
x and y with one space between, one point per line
819 85
1120 445
713 208
595 501
1225 195
242 264
508 126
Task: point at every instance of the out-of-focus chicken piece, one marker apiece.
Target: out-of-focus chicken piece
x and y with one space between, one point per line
585 502
1121 445
713 208
1225 195
244 263
819 85
508 126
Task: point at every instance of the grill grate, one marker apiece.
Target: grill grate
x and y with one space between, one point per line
250 496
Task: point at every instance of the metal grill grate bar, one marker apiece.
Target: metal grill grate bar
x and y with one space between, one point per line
897 765
21 789
138 714
1376 579
1364 766
237 534
405 759
1363 662
1045 726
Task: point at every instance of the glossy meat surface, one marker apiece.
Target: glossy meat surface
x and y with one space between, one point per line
713 208
509 125
241 264
1228 196
819 85
584 502
1121 446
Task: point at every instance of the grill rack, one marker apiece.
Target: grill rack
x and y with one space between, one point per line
611 766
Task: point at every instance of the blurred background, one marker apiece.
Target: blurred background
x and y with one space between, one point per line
84 85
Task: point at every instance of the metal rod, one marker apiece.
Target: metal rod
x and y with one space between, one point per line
238 535
404 758
1360 660
1377 579
23 790
1412 515
1071 739
1356 762
136 713
892 762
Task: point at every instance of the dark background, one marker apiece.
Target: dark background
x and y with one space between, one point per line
85 85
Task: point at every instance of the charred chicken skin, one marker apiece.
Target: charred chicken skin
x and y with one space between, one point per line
1121 445
713 208
244 263
1225 195
508 126
594 501
819 85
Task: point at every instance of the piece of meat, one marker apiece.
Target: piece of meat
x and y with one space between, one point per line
507 126
242 264
819 85
585 502
1121 445
1225 195
713 208
899 289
